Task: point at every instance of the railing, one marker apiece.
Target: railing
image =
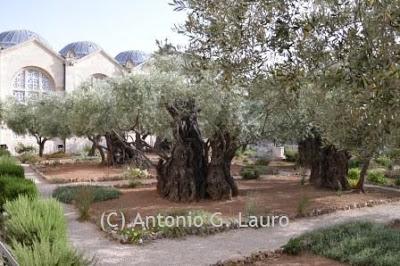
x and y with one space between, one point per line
6 254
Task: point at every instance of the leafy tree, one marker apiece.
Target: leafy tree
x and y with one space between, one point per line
43 118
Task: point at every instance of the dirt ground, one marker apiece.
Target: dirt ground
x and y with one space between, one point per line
272 194
81 172
301 260
92 171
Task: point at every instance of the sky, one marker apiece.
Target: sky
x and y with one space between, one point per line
115 25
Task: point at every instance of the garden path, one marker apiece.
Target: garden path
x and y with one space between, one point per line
201 250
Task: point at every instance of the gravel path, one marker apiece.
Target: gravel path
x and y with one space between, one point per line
202 250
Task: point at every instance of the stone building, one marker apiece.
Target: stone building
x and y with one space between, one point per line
29 66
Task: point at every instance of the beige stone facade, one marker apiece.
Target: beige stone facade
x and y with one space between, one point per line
30 66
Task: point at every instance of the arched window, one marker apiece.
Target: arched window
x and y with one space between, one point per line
30 82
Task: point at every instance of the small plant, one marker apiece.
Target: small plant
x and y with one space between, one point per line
384 161
352 183
84 198
135 173
354 174
250 172
303 175
397 181
303 205
9 167
291 155
67 194
376 177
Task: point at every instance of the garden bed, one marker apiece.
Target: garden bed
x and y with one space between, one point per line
273 194
81 172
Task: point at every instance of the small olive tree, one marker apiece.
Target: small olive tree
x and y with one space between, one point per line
43 118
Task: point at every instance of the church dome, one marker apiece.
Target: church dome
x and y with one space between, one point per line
14 37
79 49
132 57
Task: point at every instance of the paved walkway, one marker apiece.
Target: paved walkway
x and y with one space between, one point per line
203 250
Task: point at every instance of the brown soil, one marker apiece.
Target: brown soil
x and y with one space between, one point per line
301 260
273 194
81 172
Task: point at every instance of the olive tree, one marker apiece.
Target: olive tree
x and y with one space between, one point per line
43 118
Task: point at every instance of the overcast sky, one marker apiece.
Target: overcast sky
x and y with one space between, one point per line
115 25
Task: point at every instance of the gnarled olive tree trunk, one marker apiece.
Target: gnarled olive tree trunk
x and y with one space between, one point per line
220 183
329 166
182 176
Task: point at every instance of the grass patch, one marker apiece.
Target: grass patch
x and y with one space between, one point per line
68 194
358 243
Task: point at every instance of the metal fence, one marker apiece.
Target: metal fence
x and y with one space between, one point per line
7 256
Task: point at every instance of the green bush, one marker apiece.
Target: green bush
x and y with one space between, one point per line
37 219
4 152
9 167
250 172
21 148
12 187
67 194
29 157
354 174
376 177
43 252
384 161
358 243
354 163
291 155
37 231
397 181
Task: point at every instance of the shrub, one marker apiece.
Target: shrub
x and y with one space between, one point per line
262 161
38 219
46 253
67 194
291 155
397 181
8 166
29 157
303 205
245 153
84 198
21 148
354 163
12 187
358 243
354 174
135 173
4 152
384 161
352 183
37 232
376 177
250 172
